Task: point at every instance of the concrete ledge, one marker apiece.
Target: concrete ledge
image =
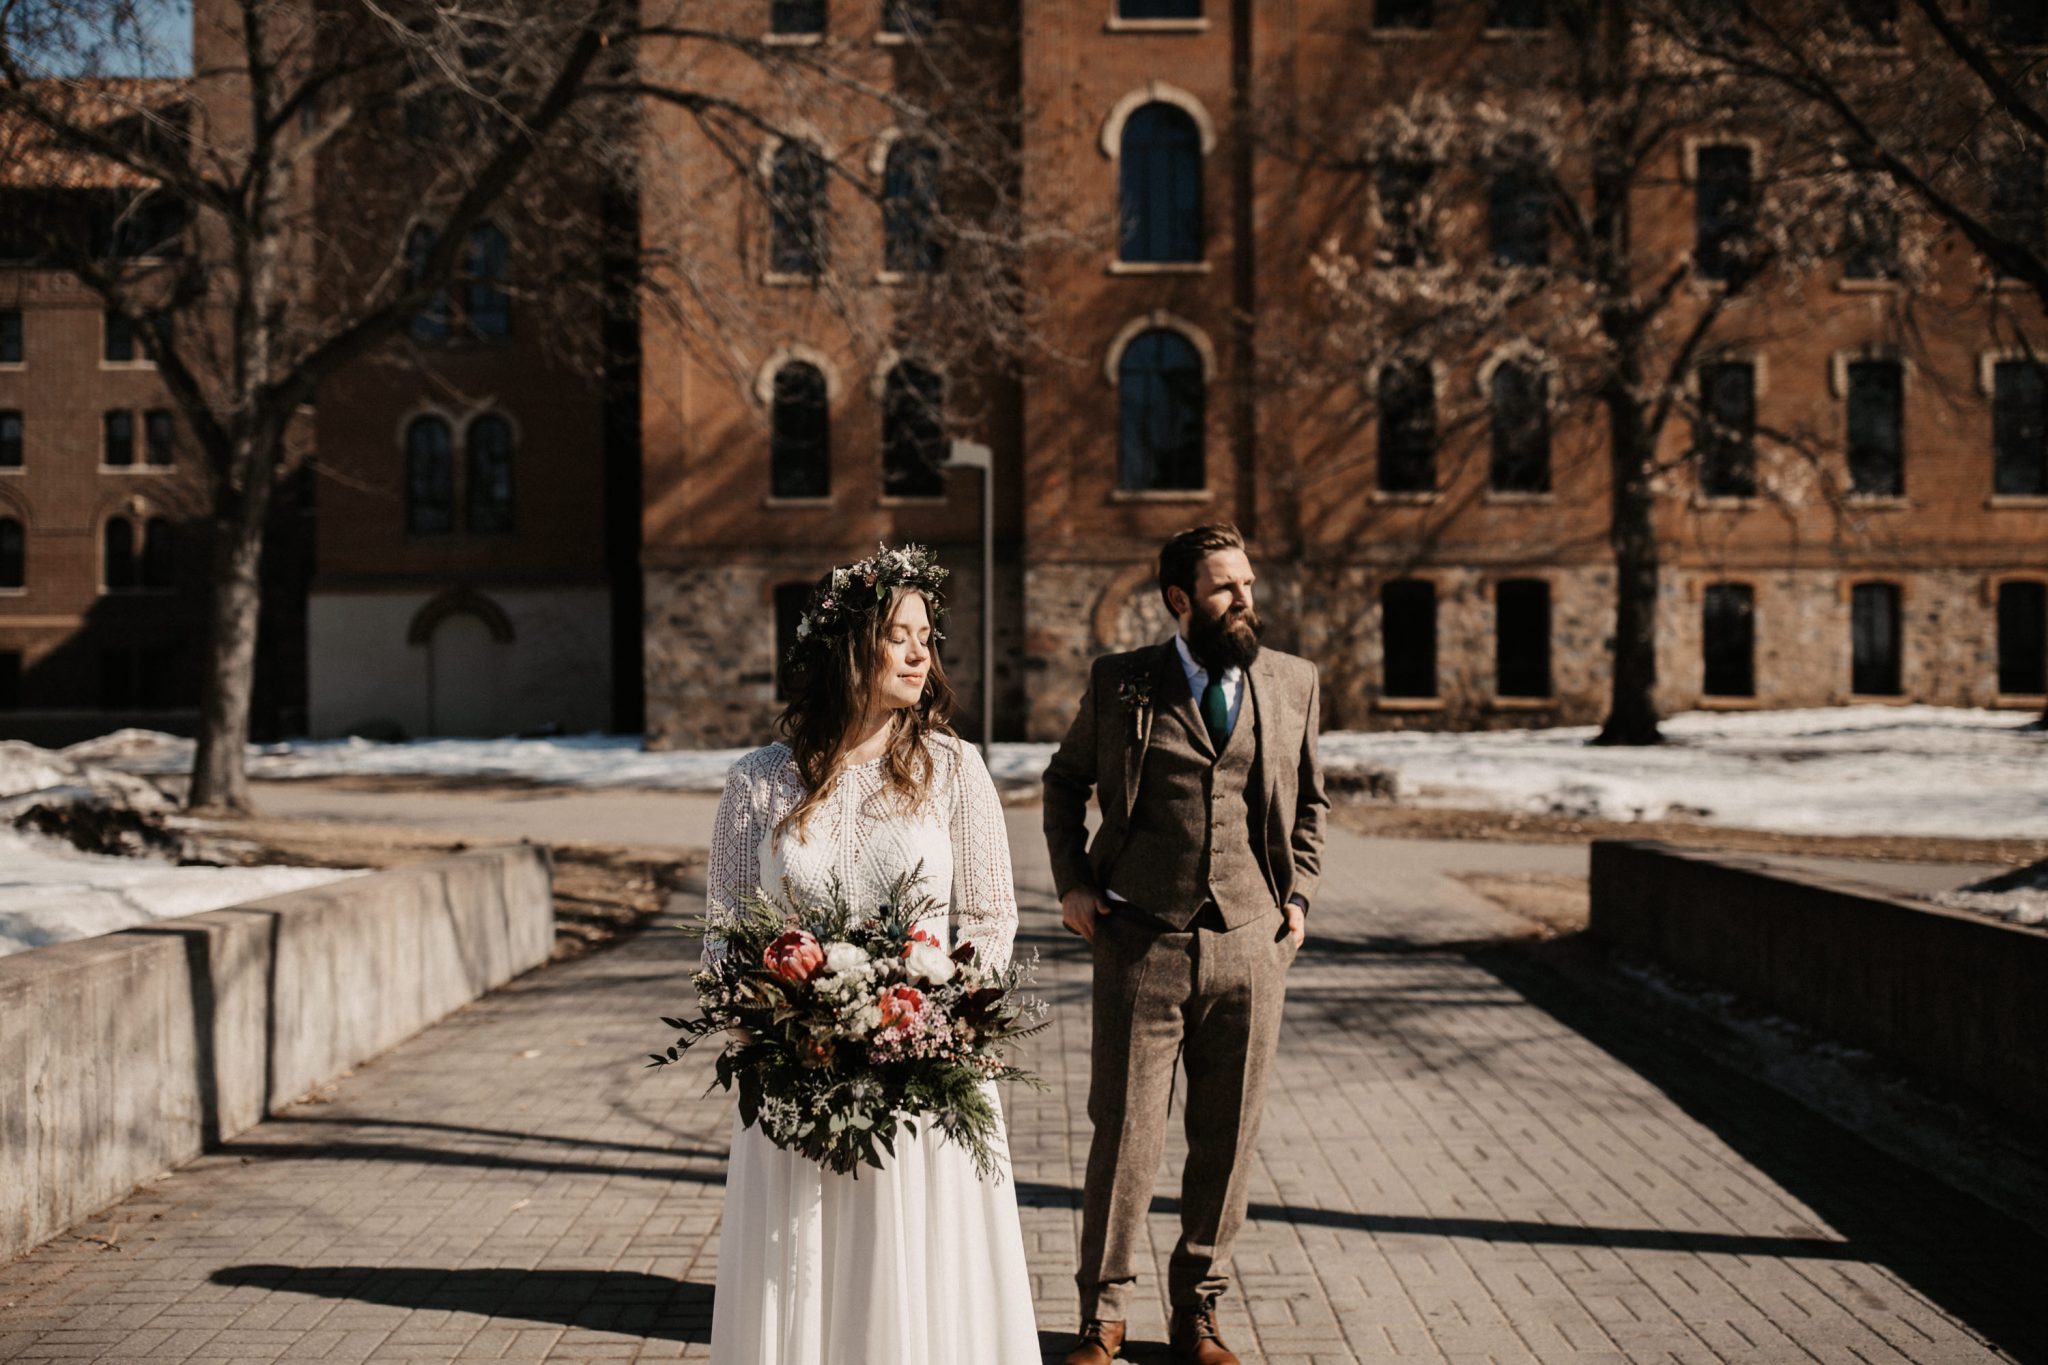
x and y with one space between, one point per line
124 1055
1958 997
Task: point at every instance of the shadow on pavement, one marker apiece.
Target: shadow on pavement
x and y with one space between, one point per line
1974 1262
650 1306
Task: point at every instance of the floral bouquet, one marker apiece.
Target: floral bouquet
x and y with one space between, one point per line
842 1029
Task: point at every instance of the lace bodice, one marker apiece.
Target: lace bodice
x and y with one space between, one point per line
860 837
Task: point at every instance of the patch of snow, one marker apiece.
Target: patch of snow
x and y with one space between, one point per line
29 775
52 893
2018 897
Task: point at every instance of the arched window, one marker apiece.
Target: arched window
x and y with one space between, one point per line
796 207
1163 400
488 305
1159 171
159 555
1518 214
910 207
13 554
913 436
10 440
488 495
117 555
431 322
796 16
800 444
429 477
1521 429
1407 448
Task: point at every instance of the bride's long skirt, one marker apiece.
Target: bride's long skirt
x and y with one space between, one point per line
919 1263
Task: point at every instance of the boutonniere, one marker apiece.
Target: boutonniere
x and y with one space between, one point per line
1135 692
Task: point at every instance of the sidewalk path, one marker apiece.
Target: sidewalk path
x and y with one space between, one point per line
1462 1161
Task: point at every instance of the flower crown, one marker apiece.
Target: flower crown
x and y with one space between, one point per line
860 591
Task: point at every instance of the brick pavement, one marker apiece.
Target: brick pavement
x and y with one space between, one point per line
1463 1161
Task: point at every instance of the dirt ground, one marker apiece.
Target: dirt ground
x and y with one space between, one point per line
602 891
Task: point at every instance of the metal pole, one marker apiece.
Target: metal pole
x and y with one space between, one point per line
974 455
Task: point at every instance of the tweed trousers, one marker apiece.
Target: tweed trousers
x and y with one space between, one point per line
1214 997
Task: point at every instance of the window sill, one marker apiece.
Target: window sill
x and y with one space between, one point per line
2017 501
1725 502
1400 35
1880 501
884 38
772 501
1514 35
1501 497
1521 703
1848 285
1161 495
1879 699
788 279
14 592
902 500
144 365
1710 703
1116 23
1404 704
138 468
1392 497
792 39
1159 267
12 366
2002 702
6 469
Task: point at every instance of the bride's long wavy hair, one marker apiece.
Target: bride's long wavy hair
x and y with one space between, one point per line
830 686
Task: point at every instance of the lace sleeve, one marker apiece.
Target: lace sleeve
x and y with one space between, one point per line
984 892
735 852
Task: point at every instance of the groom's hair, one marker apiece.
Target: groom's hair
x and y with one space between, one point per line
1179 556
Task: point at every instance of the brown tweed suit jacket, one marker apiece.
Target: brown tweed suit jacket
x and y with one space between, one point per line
1104 752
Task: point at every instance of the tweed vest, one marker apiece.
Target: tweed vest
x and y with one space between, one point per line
1191 837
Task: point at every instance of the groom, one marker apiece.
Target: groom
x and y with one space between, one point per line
1201 753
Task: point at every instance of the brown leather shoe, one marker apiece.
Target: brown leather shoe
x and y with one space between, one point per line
1193 1339
1098 1344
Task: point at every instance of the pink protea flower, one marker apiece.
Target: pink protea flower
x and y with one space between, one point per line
794 956
900 1005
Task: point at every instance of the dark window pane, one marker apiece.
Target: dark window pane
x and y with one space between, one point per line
159 555
1870 235
1728 640
1518 217
2019 200
1517 14
118 448
790 601
796 16
1159 174
1408 638
913 435
1721 210
1877 454
431 322
489 492
796 203
13 554
10 680
10 440
1522 637
489 306
1874 640
1407 455
429 477
2019 429
2020 23
1404 235
800 445
118 338
10 336
2023 639
913 18
1159 9
1402 13
910 205
159 437
1726 438
1163 402
1521 429
117 557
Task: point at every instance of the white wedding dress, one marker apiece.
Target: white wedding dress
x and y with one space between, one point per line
921 1262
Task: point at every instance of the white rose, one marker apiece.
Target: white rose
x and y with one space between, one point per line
844 957
929 963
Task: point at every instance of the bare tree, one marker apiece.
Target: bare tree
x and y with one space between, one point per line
1603 202
310 198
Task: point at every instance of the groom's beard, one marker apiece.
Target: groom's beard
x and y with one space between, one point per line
1220 643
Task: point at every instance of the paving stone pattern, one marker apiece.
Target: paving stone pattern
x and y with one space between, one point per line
1450 1172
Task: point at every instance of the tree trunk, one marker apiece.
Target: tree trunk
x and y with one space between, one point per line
220 783
1632 531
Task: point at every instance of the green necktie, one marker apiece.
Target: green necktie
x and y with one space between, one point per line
1216 711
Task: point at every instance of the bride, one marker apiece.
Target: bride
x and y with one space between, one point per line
921 1262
